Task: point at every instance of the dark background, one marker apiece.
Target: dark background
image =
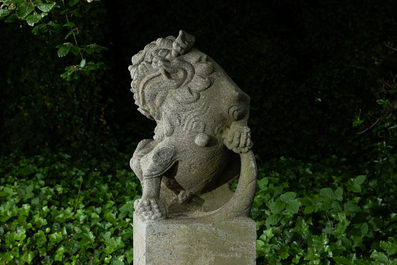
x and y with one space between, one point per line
310 67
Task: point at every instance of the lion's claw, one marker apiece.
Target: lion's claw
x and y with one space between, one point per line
150 209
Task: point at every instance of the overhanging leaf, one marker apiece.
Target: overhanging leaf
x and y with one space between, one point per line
82 63
69 25
75 50
73 2
32 19
11 18
91 48
45 7
4 12
25 10
64 49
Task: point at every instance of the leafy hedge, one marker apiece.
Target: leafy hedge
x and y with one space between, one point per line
58 209
323 214
62 211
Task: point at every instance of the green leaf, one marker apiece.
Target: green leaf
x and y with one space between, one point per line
283 251
25 171
42 251
392 250
364 229
362 262
327 194
130 255
379 257
289 196
55 237
309 210
28 256
20 234
278 190
262 184
91 66
82 63
59 253
57 28
91 48
75 50
24 210
11 18
306 201
7 257
73 2
273 219
342 260
87 238
339 194
43 239
359 180
33 18
292 206
127 208
29 193
112 244
45 7
36 201
4 12
64 49
380 101
69 25
25 10
277 207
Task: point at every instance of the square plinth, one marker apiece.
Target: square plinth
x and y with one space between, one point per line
190 242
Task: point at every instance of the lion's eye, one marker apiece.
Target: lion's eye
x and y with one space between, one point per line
163 53
237 113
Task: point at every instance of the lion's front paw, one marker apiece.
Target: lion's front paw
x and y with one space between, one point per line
238 138
150 209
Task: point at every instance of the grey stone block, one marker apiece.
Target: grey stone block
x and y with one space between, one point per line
195 242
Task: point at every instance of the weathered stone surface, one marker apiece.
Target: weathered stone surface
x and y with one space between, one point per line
201 117
202 143
187 242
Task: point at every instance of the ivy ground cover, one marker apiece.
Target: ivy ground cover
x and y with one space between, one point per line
55 209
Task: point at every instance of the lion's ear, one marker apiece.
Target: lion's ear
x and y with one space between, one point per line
185 40
164 73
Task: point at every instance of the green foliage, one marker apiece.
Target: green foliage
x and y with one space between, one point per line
320 214
64 209
40 108
59 210
26 10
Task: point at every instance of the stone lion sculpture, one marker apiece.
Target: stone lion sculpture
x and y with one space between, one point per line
200 138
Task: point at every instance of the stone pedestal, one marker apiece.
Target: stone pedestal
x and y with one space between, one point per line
191 242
